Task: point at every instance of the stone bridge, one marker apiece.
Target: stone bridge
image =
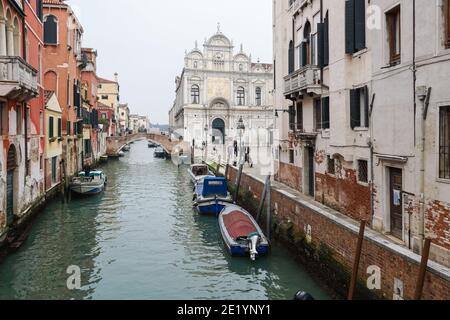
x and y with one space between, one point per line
115 144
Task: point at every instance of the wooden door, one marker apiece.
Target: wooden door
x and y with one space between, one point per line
396 202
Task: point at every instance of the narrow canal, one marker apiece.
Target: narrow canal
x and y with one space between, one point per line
141 239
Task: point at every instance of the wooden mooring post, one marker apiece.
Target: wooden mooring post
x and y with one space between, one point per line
238 182
263 199
354 280
422 269
269 210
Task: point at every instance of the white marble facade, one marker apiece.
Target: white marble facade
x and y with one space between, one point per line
218 86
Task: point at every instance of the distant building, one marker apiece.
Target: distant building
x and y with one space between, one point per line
215 89
124 117
108 93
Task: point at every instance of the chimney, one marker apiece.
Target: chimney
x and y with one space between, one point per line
116 77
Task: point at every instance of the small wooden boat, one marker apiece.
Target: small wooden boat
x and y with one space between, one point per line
198 172
211 195
152 145
241 233
126 148
103 159
88 183
121 154
159 153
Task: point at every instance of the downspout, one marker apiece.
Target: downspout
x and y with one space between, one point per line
422 144
24 105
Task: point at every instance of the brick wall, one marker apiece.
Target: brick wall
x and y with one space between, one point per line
335 246
290 175
437 222
344 194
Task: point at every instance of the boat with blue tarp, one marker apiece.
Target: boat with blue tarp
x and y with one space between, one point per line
211 195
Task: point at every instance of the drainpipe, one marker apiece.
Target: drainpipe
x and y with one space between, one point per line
422 143
24 105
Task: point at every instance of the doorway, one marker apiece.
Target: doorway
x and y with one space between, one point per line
218 134
309 171
396 202
10 179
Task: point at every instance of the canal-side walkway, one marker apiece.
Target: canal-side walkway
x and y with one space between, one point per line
311 227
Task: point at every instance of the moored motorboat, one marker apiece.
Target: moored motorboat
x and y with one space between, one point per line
126 148
211 195
152 145
198 172
121 154
241 233
104 159
88 182
159 153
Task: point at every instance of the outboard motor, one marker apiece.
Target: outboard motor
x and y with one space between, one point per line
303 296
253 242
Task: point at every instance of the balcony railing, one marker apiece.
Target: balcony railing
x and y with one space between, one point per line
18 80
305 79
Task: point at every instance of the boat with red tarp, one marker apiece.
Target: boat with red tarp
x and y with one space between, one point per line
241 233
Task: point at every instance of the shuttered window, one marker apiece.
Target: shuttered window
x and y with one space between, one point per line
59 128
444 142
326 113
299 116
291 118
359 108
51 133
68 128
51 30
291 63
448 22
318 114
355 26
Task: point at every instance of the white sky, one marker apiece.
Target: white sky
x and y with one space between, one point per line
145 41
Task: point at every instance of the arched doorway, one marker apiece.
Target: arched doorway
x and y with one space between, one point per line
218 134
10 177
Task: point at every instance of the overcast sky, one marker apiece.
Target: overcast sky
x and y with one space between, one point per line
144 41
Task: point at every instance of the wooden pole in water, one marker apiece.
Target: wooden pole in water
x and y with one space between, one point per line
423 269
269 210
238 182
352 288
263 199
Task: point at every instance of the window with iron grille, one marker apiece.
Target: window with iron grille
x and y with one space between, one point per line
444 142
195 94
331 165
363 175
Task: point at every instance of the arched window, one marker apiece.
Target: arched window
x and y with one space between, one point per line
195 94
258 96
305 48
51 30
291 57
16 39
240 96
51 81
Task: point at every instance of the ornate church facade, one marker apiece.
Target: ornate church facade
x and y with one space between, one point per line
217 88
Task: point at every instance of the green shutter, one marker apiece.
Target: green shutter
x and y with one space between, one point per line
51 134
360 25
355 110
321 44
350 26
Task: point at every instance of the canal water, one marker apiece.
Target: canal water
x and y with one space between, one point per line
141 239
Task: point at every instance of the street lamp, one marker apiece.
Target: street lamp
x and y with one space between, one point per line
241 130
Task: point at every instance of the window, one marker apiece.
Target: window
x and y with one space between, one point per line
291 156
305 47
104 97
59 128
54 168
291 118
331 165
103 115
18 120
299 116
323 43
326 113
51 30
394 35
363 171
359 108
444 142
318 114
447 21
240 96
39 9
51 134
258 96
195 94
291 63
355 25
195 64
68 129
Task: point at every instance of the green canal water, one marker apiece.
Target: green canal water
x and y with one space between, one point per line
141 239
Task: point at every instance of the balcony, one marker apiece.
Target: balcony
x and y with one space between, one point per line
18 80
304 80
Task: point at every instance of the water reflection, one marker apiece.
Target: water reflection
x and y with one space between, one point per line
142 239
